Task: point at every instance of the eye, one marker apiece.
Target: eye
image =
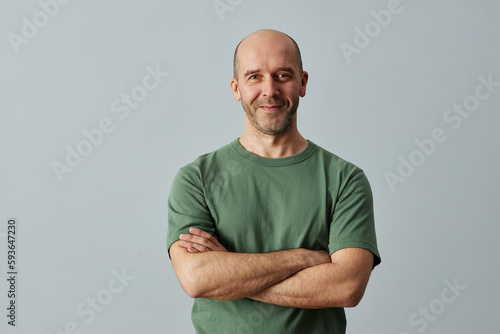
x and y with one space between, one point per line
283 75
253 77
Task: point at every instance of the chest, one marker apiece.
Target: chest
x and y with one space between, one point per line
266 210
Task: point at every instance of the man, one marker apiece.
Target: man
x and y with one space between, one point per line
271 233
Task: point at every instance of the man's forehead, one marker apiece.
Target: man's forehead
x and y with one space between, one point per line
260 56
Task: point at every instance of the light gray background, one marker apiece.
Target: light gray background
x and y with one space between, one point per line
109 214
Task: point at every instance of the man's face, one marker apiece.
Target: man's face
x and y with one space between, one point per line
269 83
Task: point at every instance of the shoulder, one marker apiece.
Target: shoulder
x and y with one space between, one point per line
342 176
209 159
335 164
207 163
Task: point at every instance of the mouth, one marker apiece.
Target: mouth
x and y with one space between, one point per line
271 107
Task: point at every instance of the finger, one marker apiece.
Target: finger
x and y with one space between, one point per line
206 240
185 244
198 240
191 248
200 248
194 247
201 233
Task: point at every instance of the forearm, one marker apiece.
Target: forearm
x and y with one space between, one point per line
321 286
309 288
229 276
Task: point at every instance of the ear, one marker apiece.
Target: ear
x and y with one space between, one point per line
303 83
235 90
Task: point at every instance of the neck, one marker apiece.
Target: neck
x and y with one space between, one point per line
281 145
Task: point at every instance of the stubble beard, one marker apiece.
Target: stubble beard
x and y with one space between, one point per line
271 124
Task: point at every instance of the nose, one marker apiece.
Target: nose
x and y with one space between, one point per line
270 88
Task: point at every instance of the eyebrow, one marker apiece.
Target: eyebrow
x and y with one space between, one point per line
286 69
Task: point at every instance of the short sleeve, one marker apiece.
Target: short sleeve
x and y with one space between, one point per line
353 222
187 206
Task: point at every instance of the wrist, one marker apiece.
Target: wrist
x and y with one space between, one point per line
305 258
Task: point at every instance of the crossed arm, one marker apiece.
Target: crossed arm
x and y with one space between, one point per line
296 278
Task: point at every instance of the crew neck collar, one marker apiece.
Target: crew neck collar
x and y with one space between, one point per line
274 162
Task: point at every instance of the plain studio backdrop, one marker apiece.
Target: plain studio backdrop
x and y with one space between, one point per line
103 102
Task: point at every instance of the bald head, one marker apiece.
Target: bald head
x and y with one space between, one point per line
256 38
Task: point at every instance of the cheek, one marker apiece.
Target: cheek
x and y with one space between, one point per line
249 95
292 92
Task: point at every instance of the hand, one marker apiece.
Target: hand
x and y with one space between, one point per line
323 257
200 241
316 257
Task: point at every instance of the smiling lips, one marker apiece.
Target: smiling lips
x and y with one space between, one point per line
271 107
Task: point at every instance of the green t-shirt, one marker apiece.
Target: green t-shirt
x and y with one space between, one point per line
312 200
